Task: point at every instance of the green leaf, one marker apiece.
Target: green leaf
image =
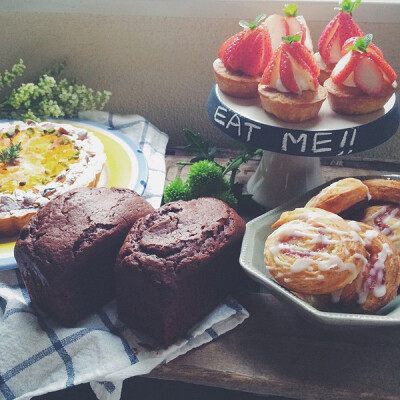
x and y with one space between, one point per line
348 6
10 153
291 39
252 24
290 10
361 44
199 146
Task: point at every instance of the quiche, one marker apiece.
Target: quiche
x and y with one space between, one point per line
39 161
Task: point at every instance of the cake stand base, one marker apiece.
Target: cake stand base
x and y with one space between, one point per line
281 177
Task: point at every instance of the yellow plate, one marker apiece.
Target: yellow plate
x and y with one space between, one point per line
125 167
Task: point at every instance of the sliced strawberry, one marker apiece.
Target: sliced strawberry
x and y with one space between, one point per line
333 49
271 72
286 71
347 27
277 27
345 67
227 44
295 27
384 66
249 52
327 34
307 36
304 58
256 49
368 76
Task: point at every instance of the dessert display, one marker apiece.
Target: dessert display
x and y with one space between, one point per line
362 81
66 252
288 25
337 264
242 59
289 87
39 161
341 197
176 265
334 35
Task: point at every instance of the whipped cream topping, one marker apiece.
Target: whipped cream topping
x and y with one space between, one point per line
302 76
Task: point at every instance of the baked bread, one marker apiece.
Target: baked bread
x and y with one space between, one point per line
377 283
341 197
176 265
50 159
67 252
385 218
384 190
313 251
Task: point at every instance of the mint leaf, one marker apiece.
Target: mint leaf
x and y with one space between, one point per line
291 39
252 24
290 10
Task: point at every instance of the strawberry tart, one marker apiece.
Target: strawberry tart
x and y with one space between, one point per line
362 81
242 59
288 25
289 87
330 43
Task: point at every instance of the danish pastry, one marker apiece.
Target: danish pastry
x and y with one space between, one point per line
343 196
313 251
386 190
386 218
377 283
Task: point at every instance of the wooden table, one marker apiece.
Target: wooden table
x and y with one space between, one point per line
275 352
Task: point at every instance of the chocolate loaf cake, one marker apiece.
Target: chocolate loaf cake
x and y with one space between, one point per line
176 265
67 252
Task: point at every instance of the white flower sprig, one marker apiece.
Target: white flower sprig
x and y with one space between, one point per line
49 96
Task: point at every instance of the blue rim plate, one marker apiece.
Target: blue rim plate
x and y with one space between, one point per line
126 166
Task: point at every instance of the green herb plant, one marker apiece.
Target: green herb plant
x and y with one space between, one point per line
207 178
9 155
49 96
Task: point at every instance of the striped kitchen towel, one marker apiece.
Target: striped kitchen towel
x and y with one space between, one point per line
37 356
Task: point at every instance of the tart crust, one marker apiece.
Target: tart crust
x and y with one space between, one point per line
235 84
292 107
352 100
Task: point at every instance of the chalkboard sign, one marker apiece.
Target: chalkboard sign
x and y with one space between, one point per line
329 134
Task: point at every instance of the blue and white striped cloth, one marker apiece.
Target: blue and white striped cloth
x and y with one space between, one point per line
38 356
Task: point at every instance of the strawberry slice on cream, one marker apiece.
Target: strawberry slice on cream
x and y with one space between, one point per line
288 25
333 37
292 68
289 87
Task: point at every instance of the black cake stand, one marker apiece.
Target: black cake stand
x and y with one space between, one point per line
290 164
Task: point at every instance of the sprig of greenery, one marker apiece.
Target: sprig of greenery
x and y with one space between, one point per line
49 96
361 44
291 39
10 153
290 10
252 24
348 6
206 177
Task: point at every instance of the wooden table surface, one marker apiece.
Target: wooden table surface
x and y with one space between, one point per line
275 352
